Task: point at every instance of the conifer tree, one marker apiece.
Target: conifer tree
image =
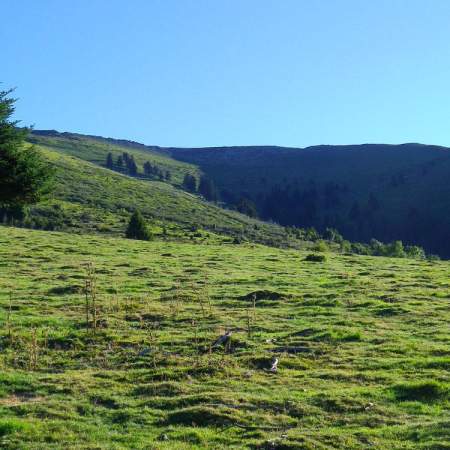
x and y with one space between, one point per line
137 228
246 206
148 168
207 189
24 177
132 167
190 183
109 161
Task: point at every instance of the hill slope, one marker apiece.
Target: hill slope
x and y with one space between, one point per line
365 191
363 347
89 197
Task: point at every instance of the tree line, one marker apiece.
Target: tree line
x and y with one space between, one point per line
126 163
204 186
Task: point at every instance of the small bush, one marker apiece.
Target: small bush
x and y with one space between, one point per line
320 246
315 257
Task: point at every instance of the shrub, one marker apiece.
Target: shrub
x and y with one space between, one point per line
320 246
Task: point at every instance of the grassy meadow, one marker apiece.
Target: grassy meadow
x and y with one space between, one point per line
106 344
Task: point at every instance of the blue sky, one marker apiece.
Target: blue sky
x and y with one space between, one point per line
232 72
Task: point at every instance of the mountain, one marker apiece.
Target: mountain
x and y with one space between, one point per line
370 191
386 192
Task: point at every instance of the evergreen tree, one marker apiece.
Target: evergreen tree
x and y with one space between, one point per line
109 161
190 183
207 188
148 169
131 166
120 162
125 157
24 177
247 207
168 175
137 229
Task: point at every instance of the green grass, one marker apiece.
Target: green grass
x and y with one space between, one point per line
349 376
95 151
89 198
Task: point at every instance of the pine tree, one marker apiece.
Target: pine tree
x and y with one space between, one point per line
131 166
207 189
148 169
246 206
137 229
190 183
24 177
168 176
109 161
120 162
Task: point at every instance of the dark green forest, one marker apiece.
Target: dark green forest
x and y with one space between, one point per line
383 192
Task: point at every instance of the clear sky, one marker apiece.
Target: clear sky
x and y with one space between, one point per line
232 72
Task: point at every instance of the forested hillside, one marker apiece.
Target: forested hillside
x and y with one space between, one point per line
384 192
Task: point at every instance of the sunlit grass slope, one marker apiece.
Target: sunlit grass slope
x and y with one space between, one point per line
95 150
363 347
92 198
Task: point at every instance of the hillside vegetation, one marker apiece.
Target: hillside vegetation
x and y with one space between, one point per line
366 192
386 192
89 197
362 342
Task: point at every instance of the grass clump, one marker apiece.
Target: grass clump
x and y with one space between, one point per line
315 257
10 426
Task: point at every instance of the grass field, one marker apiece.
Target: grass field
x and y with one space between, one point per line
363 346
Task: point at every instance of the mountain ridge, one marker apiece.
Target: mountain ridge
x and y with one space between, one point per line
385 192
